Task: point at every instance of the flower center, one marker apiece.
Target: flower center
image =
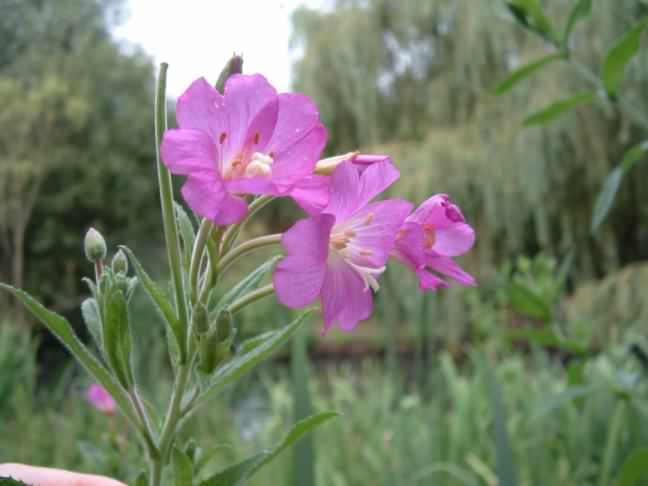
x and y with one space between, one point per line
342 244
429 235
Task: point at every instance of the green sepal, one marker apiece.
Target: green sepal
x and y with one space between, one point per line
117 339
92 318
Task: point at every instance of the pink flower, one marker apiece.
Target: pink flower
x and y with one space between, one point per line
101 399
337 256
248 141
430 237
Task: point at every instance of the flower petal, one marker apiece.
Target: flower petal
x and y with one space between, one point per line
453 240
208 197
245 97
345 301
201 107
187 151
449 267
312 193
351 190
438 211
375 227
409 245
297 160
298 277
298 115
427 281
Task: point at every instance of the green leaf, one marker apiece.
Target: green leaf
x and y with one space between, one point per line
61 328
527 302
187 233
5 481
524 72
92 319
606 196
303 463
619 56
556 109
579 11
246 285
505 464
634 468
570 394
160 301
243 363
633 155
182 468
142 479
237 474
530 15
116 335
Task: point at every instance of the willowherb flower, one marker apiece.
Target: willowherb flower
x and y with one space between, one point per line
338 255
430 237
249 140
101 399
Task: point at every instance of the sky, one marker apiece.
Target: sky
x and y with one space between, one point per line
196 37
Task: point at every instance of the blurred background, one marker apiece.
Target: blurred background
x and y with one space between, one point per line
536 377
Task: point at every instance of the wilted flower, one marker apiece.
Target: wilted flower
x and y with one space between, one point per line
101 399
250 140
430 237
339 254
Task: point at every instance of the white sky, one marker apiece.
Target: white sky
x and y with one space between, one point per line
196 37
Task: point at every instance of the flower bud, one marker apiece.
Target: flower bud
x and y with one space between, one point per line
233 66
200 319
120 263
215 348
94 246
327 166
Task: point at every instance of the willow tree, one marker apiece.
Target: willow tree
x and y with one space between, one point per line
418 79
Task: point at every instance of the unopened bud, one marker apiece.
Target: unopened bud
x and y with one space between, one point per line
215 348
200 319
120 263
233 66
94 246
327 166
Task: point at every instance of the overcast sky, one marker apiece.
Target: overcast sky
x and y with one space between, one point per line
196 37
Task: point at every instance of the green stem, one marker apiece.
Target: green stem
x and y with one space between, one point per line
147 430
611 445
168 216
251 297
247 247
233 231
204 232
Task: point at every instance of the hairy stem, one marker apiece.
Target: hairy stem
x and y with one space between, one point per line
251 297
234 254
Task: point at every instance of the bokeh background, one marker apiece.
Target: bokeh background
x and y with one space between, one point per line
538 376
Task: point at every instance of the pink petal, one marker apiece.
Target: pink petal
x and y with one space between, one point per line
351 190
298 277
312 193
208 197
375 227
449 267
245 97
201 107
345 301
309 237
295 161
409 245
453 240
187 151
298 115
250 185
438 211
428 280
298 280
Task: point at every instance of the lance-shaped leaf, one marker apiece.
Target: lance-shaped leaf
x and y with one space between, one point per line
619 56
243 363
92 319
556 109
117 336
61 328
579 11
530 14
246 285
606 196
187 233
634 468
525 71
237 474
162 304
182 468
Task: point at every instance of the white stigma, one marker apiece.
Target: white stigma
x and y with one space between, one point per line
260 165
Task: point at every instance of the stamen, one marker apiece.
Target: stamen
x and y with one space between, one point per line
365 252
222 138
369 218
257 137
